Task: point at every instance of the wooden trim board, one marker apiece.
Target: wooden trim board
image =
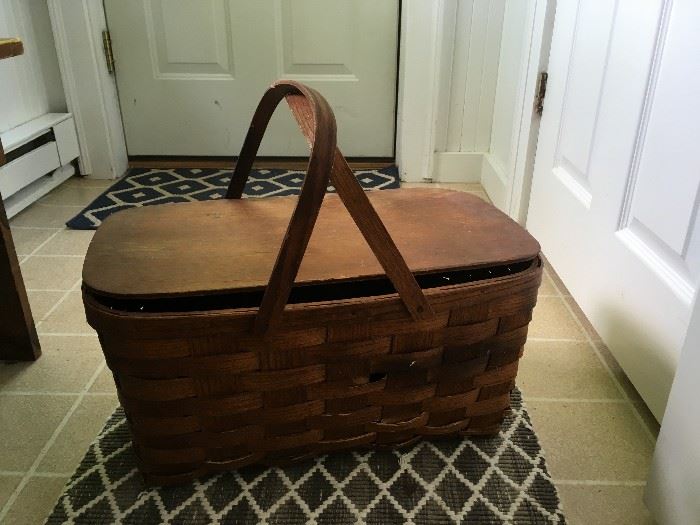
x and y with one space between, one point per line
291 163
18 338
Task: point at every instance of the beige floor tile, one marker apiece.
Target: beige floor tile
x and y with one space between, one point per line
8 484
482 195
73 195
26 424
88 182
80 430
66 365
604 505
29 239
552 320
547 286
555 278
67 318
592 441
619 374
51 273
587 326
460 186
36 501
648 418
45 216
104 383
42 302
564 370
417 185
68 242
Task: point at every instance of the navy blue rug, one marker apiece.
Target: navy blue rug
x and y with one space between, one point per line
148 187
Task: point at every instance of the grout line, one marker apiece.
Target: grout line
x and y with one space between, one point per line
605 365
600 482
25 258
614 379
52 475
575 400
55 307
47 446
41 245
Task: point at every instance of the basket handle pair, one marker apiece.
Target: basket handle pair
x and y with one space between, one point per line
317 122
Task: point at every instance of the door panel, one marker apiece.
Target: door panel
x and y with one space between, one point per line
190 72
615 190
302 25
188 41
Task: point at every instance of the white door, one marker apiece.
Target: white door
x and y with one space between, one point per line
615 190
674 480
190 72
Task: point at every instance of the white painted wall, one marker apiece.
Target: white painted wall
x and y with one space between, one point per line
471 49
478 34
486 51
33 80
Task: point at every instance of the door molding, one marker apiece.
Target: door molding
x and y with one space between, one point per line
91 93
91 90
421 62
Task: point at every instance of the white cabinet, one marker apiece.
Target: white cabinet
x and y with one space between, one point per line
39 156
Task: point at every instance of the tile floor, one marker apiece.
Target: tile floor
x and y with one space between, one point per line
597 434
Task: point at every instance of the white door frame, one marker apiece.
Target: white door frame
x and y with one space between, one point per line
526 127
91 91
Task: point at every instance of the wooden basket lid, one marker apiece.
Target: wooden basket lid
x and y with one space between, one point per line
227 246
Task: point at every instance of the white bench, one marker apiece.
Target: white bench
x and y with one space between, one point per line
39 158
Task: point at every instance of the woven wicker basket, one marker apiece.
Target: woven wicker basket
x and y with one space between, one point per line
215 378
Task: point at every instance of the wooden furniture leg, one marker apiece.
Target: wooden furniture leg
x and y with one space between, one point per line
18 337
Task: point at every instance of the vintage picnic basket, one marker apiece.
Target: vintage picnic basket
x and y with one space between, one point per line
237 336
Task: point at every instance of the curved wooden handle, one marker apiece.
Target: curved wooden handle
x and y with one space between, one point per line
317 123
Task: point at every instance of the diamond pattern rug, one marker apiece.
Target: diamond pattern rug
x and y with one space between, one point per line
497 480
146 187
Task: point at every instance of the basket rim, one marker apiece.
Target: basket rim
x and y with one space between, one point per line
300 315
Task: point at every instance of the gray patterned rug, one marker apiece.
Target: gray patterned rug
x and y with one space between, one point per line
498 480
147 187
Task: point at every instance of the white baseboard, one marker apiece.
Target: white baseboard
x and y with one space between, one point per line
494 181
460 166
37 189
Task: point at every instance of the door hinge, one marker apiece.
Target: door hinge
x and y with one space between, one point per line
109 55
541 92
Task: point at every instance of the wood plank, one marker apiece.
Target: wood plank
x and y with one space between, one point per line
286 163
231 245
10 47
18 337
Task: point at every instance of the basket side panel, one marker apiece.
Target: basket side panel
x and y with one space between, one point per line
218 401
